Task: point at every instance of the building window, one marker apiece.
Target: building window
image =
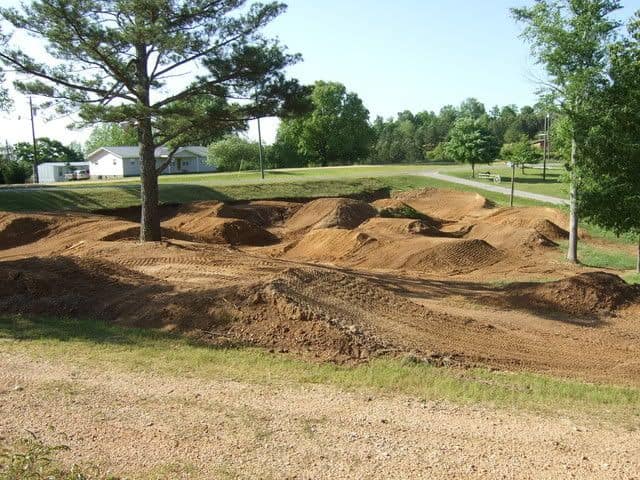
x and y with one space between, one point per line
133 162
115 162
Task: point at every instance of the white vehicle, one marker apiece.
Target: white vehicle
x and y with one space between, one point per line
77 175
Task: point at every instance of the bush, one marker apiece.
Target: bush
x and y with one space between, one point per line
14 172
232 154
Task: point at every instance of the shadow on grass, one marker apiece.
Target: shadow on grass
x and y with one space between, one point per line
27 327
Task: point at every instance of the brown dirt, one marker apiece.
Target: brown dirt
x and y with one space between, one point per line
16 230
585 294
331 213
386 284
211 222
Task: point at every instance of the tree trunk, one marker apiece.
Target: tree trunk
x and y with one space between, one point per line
149 215
572 253
473 170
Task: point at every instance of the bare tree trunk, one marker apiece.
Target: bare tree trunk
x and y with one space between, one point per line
572 253
149 215
473 170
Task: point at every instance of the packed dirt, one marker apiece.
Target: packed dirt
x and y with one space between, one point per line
146 425
446 276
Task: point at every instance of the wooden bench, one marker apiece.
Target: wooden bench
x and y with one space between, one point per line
494 177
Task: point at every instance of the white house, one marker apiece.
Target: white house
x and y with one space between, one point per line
114 162
49 172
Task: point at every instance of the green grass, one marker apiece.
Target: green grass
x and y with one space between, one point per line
530 181
598 257
98 345
632 278
110 196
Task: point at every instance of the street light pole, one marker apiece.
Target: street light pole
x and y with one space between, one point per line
35 145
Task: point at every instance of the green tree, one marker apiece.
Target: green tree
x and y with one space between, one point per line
49 150
232 154
610 169
520 153
570 38
470 141
110 135
336 131
116 61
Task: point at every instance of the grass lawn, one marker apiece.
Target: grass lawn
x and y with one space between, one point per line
598 257
96 344
529 181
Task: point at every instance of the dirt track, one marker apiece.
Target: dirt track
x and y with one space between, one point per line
339 280
152 427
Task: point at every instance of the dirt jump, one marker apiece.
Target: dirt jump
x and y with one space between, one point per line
446 277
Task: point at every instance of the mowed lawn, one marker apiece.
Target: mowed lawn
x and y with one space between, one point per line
287 183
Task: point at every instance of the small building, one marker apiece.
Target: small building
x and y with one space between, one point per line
50 172
116 162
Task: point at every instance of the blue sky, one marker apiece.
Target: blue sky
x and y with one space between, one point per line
397 55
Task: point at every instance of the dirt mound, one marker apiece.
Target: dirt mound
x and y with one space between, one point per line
264 213
455 256
445 204
399 227
18 230
584 294
550 230
394 208
202 221
330 245
331 213
69 286
132 233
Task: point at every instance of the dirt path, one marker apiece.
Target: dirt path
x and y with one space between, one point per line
143 426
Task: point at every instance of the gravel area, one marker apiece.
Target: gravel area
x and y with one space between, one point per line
146 427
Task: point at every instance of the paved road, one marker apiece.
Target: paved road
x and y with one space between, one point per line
494 188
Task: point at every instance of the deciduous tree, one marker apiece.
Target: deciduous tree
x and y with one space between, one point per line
570 38
471 142
111 135
336 130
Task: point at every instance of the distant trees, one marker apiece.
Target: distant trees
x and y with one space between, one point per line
335 131
470 141
111 135
414 138
571 39
233 153
48 150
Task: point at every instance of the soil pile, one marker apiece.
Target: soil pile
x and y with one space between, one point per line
399 227
330 245
18 230
455 256
445 204
550 230
331 213
263 213
584 294
202 221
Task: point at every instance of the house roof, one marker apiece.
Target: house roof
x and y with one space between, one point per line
133 151
64 164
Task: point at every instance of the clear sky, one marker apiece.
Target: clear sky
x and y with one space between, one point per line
397 55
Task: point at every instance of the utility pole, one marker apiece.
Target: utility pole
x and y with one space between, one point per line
545 147
35 146
260 149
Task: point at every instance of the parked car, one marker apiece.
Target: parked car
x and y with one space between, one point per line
77 175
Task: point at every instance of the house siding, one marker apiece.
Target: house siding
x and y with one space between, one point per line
106 165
